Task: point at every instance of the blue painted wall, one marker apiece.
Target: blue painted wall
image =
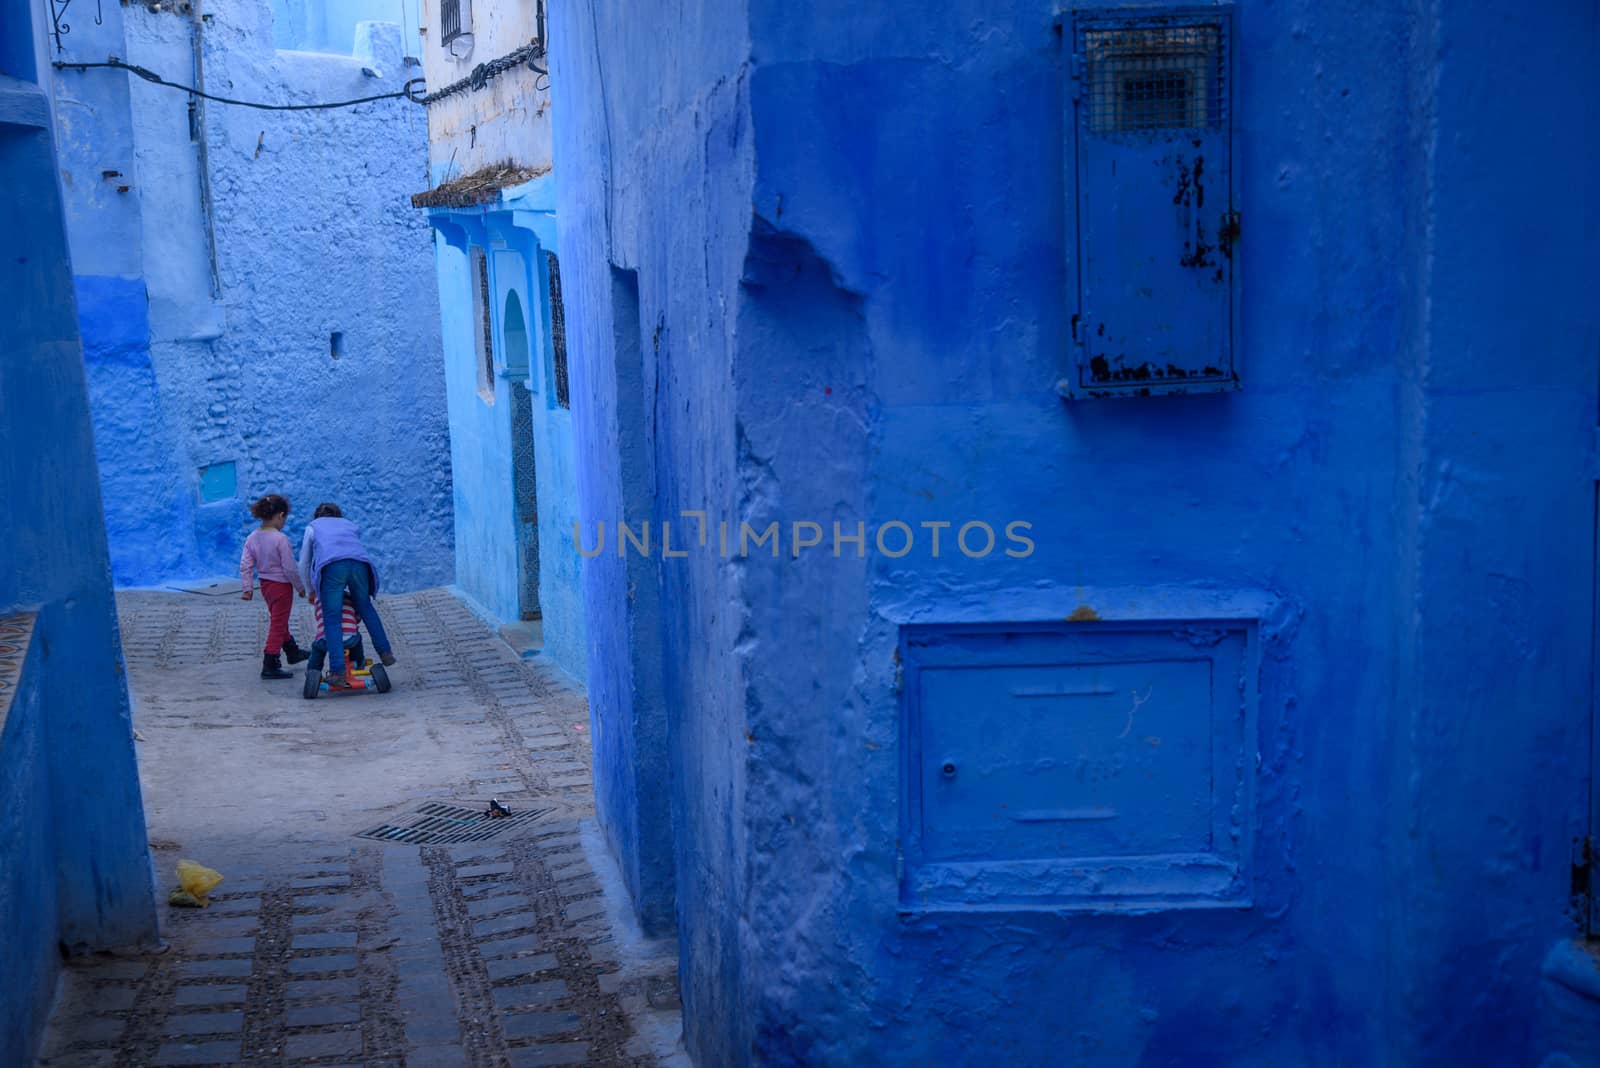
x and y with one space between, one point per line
313 237
850 229
514 231
27 841
76 872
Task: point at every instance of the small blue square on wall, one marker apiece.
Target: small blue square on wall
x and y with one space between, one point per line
219 482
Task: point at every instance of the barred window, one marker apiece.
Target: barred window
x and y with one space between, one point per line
558 333
483 327
449 20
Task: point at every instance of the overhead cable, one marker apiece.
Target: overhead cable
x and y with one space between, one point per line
411 91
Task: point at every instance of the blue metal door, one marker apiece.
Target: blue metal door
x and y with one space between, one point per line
1156 225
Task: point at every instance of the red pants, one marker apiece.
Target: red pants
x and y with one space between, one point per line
280 598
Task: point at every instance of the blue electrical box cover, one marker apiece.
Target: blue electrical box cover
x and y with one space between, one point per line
1083 765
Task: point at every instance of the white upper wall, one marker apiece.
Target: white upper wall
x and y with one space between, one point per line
511 114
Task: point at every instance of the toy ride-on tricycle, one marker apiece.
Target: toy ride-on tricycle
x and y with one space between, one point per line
363 674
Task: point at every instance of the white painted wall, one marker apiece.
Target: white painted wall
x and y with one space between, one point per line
510 118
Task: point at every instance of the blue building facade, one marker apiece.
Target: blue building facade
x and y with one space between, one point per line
492 203
74 862
1266 738
510 412
244 274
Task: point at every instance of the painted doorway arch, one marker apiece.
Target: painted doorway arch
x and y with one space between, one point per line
524 478
517 350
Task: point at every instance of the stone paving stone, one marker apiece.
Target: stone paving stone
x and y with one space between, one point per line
121 970
318 917
317 989
503 925
114 998
95 1030
549 1055
581 885
539 1024
323 939
484 868
321 881
208 994
534 993
173 1053
226 927
588 908
491 906
324 1044
505 947
517 967
341 962
232 906
321 1015
205 1023
563 767
432 1029
228 945
214 969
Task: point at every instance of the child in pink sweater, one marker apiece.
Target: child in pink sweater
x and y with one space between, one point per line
267 553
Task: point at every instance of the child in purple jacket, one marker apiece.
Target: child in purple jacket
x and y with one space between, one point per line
333 563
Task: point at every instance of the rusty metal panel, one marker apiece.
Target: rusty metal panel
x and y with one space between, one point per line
1153 260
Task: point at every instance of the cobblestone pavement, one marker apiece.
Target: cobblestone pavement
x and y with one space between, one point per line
324 948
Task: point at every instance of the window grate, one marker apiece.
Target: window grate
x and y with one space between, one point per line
1164 73
437 823
480 266
558 333
449 20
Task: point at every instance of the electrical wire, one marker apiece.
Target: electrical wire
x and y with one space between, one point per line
484 73
411 91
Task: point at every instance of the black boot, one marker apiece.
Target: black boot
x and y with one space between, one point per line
272 667
292 652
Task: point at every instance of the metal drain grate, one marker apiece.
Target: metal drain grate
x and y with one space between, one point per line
436 823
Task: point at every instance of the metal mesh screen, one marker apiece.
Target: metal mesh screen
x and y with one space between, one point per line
1160 73
558 332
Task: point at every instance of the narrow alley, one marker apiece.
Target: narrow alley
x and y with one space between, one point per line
995 532
326 946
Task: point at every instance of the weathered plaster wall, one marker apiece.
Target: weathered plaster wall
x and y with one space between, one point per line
649 291
509 118
1494 711
314 237
881 341
76 873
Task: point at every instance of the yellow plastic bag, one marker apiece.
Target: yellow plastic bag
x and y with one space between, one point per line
197 879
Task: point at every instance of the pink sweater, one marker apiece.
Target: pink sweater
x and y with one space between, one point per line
269 554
